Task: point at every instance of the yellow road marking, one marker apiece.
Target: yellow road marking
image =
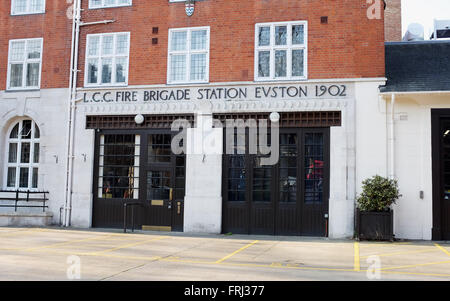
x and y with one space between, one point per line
128 245
416 274
67 242
401 253
357 264
442 249
415 265
235 252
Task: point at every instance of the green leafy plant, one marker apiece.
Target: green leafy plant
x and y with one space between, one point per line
378 194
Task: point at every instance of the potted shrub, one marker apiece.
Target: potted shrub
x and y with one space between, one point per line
374 216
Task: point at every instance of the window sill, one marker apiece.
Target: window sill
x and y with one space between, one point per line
27 14
105 86
22 90
259 80
114 6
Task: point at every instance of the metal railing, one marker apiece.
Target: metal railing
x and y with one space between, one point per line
132 205
25 196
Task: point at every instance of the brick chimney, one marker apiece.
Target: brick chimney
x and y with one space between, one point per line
393 21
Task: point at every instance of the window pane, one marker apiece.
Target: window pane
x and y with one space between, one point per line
280 35
298 35
122 44
12 155
33 74
198 67
107 45
92 71
34 49
297 62
15 132
280 63
26 129
178 68
198 40
36 153
11 182
264 36
37 132
121 70
95 3
17 51
20 6
16 75
36 5
93 45
25 152
23 178
178 40
34 181
264 63
314 167
118 174
106 71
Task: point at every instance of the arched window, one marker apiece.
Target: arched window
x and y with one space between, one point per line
23 156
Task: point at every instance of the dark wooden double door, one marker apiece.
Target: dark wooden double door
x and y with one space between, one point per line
139 169
441 173
289 198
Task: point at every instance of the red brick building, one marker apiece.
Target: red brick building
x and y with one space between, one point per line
142 64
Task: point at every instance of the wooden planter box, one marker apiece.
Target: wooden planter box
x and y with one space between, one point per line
375 225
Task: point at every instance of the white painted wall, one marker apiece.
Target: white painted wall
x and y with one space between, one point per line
413 216
48 108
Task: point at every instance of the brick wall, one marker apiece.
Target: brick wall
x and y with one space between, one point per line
56 30
393 20
349 46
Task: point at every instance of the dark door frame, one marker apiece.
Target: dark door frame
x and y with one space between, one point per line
143 167
301 206
436 116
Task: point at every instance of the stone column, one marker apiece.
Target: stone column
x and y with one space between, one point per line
203 200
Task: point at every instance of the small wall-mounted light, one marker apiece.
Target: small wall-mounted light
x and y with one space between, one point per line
274 117
139 119
154 41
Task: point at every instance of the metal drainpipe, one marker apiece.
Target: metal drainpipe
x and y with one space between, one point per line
392 138
72 104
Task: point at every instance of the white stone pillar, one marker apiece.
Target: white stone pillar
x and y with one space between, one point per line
203 200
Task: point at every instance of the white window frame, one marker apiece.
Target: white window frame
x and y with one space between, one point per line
104 5
25 62
31 165
288 47
188 53
100 56
27 12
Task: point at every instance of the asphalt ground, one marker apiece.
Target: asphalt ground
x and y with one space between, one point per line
105 254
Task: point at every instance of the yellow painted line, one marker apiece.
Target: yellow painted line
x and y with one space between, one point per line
67 242
237 251
416 274
357 263
401 253
442 249
127 245
415 265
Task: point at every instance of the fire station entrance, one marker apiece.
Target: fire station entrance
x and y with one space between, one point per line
137 168
288 198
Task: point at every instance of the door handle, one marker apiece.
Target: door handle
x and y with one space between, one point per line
178 208
171 194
